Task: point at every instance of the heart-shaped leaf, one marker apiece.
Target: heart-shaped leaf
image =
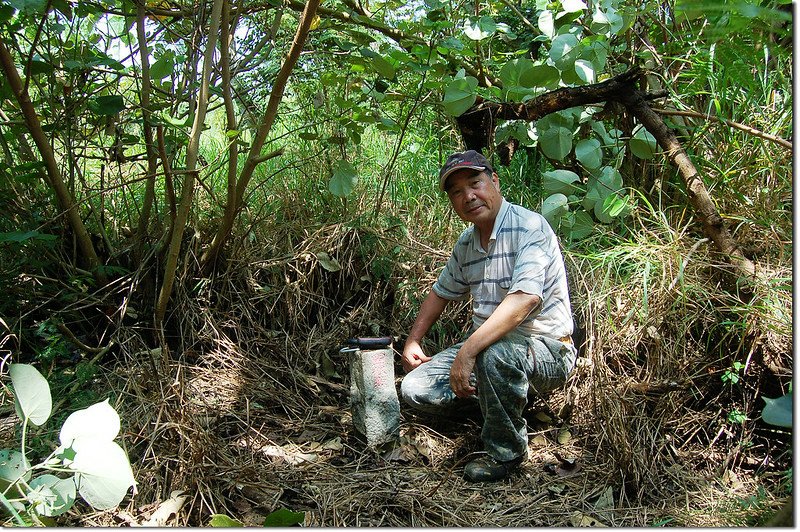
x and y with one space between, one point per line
556 142
459 95
31 393
104 473
344 179
52 496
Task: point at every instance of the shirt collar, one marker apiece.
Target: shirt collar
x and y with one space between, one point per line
498 223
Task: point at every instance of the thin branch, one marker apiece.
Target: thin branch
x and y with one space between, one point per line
747 129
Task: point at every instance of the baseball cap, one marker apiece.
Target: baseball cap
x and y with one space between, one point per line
468 159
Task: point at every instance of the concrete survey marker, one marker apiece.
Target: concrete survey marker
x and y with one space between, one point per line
373 396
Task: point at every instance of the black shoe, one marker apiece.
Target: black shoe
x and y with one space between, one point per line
487 469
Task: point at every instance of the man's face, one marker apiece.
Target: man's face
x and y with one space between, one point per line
475 196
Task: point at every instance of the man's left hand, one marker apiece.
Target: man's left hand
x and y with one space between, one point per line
460 372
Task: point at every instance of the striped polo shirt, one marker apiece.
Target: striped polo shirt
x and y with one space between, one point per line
523 256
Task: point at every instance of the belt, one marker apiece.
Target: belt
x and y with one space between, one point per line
566 339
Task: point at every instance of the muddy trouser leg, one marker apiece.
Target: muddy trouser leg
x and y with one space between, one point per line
507 372
427 387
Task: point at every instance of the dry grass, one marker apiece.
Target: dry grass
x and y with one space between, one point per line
246 411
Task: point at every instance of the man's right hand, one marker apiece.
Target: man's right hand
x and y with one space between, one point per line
413 356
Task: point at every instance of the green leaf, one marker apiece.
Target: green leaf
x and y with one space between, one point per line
571 6
19 236
327 262
459 95
31 392
28 7
554 207
223 521
778 411
6 12
176 122
546 76
104 473
517 73
556 142
344 179
611 207
13 466
559 181
52 496
107 105
643 144
383 67
163 67
589 152
284 517
585 70
99 422
561 50
481 28
582 225
601 185
546 23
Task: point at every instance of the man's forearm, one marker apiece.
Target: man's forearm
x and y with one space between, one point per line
506 317
429 312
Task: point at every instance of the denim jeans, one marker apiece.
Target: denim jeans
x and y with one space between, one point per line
505 374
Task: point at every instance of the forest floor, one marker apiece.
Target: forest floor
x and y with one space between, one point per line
237 436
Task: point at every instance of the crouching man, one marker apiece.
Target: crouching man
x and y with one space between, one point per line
509 261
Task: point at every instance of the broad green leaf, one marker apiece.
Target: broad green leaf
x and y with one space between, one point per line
460 95
19 236
592 197
597 54
589 153
554 207
585 70
284 517
560 49
176 122
104 473
546 24
28 7
107 105
31 393
344 179
6 12
559 181
99 422
546 76
601 185
223 521
517 73
582 225
13 466
52 496
383 67
327 262
611 207
163 67
571 6
481 28
778 411
556 142
452 43
643 144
